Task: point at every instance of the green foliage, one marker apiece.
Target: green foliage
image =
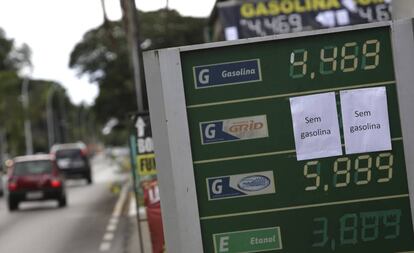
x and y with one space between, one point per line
166 28
65 115
11 113
103 56
11 58
6 46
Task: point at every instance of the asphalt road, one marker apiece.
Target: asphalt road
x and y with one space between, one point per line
86 225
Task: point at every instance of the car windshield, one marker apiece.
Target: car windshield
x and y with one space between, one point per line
32 167
68 153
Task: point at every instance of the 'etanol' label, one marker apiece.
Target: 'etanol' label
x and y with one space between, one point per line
227 73
234 129
255 240
241 185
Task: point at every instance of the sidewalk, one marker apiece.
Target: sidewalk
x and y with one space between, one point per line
134 237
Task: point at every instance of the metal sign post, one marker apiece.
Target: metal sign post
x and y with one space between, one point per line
135 179
251 159
142 157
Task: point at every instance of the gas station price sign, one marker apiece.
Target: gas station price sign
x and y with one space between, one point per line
253 192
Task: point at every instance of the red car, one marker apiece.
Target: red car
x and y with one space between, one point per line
34 178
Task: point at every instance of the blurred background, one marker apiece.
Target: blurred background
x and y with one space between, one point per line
71 72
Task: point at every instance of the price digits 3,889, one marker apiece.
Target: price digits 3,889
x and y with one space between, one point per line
331 58
343 171
355 228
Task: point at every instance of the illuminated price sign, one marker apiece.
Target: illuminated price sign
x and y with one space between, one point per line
357 201
352 57
250 180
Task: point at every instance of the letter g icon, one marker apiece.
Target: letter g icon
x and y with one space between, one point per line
210 131
217 186
203 76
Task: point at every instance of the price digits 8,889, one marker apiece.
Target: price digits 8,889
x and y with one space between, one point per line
331 58
355 228
346 170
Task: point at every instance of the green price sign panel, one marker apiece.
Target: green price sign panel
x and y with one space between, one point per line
253 193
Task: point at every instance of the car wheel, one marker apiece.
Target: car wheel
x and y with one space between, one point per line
13 205
62 201
1 193
89 178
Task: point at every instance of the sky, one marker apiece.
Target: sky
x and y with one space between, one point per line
52 28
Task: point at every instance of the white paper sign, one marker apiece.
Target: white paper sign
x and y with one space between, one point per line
315 126
365 120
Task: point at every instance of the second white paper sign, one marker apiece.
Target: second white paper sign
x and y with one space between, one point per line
365 120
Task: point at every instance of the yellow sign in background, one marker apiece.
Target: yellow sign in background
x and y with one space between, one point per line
146 164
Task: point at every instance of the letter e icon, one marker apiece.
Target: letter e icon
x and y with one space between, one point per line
224 244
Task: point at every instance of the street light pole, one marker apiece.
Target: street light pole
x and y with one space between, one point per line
50 120
27 123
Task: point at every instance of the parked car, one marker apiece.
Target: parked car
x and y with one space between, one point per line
34 178
73 160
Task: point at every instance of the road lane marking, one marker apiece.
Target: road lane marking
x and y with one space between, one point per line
121 201
111 227
114 219
108 236
132 212
105 246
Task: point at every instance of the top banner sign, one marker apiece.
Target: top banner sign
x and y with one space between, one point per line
245 19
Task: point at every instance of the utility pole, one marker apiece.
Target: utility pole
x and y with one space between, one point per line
130 14
131 21
27 122
104 11
63 119
50 118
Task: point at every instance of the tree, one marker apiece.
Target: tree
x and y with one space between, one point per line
11 113
103 56
12 58
12 61
10 107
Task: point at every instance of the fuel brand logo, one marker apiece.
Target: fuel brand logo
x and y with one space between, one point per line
227 73
241 185
234 129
